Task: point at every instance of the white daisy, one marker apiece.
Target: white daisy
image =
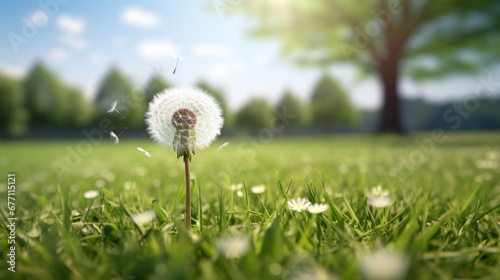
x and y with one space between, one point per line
222 146
379 201
380 191
235 187
239 193
384 264
184 119
113 135
317 208
113 107
258 189
144 151
233 247
299 205
90 194
144 218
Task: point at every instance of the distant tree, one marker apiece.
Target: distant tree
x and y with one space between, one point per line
80 109
44 96
116 87
388 39
155 84
13 115
257 114
292 105
219 96
330 105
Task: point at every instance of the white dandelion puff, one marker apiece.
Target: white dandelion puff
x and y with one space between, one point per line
299 205
144 218
379 201
258 189
222 146
144 151
317 208
113 135
184 119
113 108
91 194
384 264
233 247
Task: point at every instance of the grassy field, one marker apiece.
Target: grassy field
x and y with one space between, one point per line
442 223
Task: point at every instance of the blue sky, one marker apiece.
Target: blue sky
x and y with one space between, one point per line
81 40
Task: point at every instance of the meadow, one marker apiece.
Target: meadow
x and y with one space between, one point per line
442 221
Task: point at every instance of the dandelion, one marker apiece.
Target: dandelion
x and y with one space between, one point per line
113 135
258 189
379 191
235 187
144 151
384 264
299 205
90 194
317 208
144 218
233 247
222 146
379 201
185 120
177 62
113 108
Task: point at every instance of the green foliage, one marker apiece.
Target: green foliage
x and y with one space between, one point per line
219 96
13 115
292 105
117 87
154 85
444 212
257 114
80 109
330 105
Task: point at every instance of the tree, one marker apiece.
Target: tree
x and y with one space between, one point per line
13 115
80 109
219 96
257 114
379 35
330 104
117 87
44 96
154 85
291 105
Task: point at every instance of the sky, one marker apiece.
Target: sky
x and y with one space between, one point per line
82 40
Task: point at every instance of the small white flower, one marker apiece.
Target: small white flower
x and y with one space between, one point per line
113 135
90 194
235 187
239 193
144 218
222 146
184 119
35 232
233 247
379 191
384 264
113 107
379 201
258 189
317 208
299 205
144 151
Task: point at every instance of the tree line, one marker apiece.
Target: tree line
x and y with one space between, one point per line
42 100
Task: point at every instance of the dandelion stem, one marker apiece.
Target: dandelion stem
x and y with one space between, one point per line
188 191
120 113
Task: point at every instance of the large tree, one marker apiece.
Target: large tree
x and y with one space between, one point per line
13 115
255 115
292 105
432 38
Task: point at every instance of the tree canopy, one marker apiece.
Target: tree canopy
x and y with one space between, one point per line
257 114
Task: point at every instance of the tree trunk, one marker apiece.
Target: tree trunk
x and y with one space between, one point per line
391 121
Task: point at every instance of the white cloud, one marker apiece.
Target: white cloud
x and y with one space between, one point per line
58 54
70 24
95 58
157 49
139 17
12 71
225 69
213 50
75 42
260 59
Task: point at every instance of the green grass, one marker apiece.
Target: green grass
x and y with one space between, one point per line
444 215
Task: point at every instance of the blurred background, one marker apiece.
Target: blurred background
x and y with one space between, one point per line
314 66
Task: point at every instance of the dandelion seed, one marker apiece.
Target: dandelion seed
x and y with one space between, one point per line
144 218
113 108
384 264
299 205
113 135
144 151
235 187
222 146
379 191
258 189
379 201
90 194
233 247
317 208
177 62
